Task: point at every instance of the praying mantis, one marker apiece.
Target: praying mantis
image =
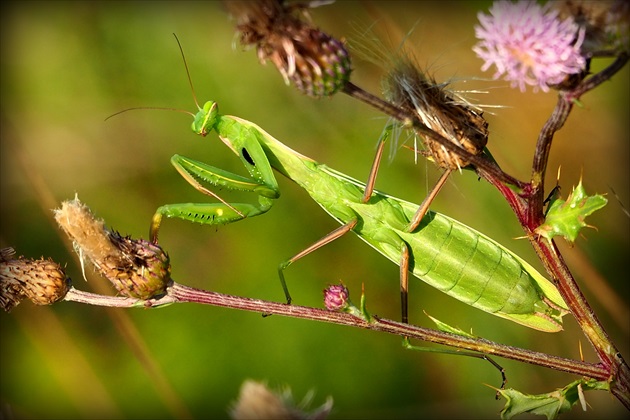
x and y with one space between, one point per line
441 251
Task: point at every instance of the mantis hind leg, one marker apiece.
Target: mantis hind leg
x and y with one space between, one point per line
337 233
404 283
369 185
426 203
404 297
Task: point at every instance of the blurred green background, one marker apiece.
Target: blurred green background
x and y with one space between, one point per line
66 66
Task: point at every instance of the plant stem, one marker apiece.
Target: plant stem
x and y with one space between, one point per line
79 296
178 293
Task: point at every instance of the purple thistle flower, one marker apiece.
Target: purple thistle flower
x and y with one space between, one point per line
529 44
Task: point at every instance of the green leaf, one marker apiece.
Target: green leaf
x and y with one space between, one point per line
566 217
552 404
442 326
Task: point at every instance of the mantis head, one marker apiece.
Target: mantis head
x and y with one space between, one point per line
206 118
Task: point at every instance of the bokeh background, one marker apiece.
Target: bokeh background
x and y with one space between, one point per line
66 66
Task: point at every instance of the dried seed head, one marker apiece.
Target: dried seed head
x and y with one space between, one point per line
446 113
144 270
88 234
318 64
257 401
606 23
6 254
42 281
136 268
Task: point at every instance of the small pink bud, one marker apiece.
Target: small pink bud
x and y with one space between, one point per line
336 297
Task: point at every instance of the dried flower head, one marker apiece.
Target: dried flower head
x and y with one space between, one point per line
144 272
529 45
318 64
42 281
606 23
257 401
136 268
445 112
411 88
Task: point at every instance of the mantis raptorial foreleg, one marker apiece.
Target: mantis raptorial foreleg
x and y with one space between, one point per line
222 213
337 233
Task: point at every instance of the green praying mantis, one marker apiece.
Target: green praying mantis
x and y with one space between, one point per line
441 251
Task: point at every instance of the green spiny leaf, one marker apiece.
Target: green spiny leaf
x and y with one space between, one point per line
442 326
551 404
566 217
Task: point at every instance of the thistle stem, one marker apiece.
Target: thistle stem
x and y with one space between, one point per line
178 293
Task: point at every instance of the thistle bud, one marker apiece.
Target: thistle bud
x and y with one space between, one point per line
336 297
42 281
322 64
318 64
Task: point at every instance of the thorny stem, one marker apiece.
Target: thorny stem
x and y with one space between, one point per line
178 293
566 100
181 293
604 75
609 356
548 252
541 157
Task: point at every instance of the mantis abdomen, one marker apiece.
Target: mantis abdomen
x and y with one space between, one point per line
475 269
447 255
